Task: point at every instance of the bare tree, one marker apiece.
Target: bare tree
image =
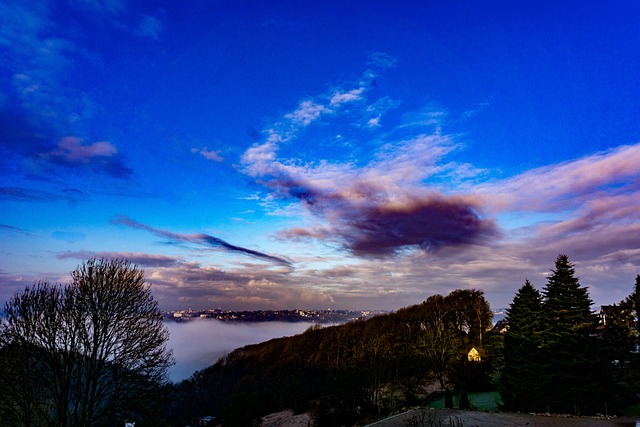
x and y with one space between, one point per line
471 313
96 348
439 342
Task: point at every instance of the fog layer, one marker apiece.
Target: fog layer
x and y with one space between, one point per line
200 343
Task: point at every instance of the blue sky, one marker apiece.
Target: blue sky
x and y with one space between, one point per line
272 154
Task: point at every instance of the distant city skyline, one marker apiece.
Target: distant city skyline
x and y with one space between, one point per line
282 155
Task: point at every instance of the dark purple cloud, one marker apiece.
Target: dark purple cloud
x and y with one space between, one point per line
428 224
204 239
369 224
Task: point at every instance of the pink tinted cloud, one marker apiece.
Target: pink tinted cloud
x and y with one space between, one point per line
396 171
567 185
100 156
138 258
601 211
258 159
299 233
190 284
592 204
71 150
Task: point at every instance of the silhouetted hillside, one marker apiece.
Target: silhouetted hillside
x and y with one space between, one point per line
351 371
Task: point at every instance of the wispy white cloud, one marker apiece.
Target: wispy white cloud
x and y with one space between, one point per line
38 59
209 155
382 60
374 122
149 26
374 112
260 159
340 98
307 112
468 114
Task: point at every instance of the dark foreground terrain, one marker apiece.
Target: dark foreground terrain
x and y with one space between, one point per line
442 417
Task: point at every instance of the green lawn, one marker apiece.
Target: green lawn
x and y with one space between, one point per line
631 411
482 401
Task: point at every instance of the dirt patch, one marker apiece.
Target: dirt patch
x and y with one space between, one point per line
287 419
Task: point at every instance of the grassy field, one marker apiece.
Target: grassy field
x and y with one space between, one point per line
632 411
482 401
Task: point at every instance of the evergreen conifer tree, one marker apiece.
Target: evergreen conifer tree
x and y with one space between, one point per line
575 374
635 299
621 337
567 304
519 380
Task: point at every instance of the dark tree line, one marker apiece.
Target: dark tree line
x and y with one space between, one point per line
349 372
558 356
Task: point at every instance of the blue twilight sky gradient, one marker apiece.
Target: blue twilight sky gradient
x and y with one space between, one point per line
283 154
